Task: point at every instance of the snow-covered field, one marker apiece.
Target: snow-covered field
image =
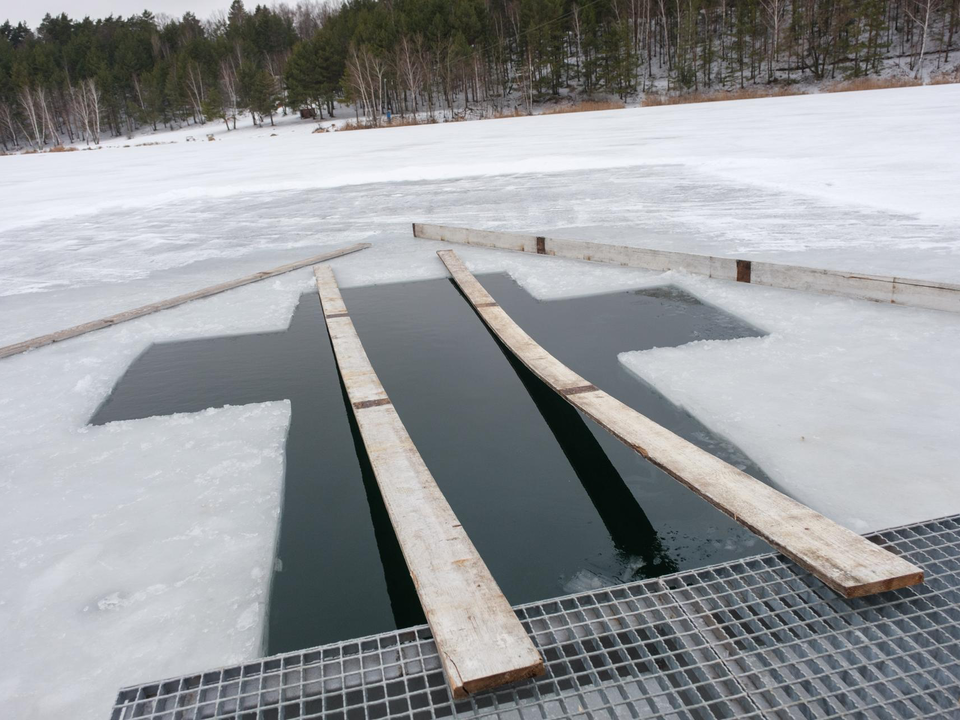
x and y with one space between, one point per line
143 549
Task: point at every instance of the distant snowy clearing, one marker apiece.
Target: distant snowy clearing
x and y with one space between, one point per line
144 549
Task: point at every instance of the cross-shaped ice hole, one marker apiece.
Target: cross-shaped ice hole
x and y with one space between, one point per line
553 503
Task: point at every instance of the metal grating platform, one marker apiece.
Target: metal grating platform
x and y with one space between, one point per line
751 638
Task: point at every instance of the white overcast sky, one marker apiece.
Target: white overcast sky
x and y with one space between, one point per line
33 11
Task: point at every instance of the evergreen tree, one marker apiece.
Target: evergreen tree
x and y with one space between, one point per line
258 92
415 55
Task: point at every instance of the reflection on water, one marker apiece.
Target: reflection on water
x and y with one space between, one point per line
639 552
553 503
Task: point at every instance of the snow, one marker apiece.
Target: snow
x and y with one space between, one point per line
112 553
133 547
143 549
849 406
832 146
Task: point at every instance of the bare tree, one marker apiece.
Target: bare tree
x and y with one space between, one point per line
775 10
306 17
86 106
366 73
48 119
921 11
228 85
356 74
78 98
7 122
409 69
575 17
93 108
195 89
35 124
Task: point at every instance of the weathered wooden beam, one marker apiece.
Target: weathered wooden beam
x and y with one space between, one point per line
844 561
112 320
898 291
480 640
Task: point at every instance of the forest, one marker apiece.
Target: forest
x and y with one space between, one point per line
77 81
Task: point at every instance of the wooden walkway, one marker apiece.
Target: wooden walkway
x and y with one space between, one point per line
925 294
479 638
843 560
112 320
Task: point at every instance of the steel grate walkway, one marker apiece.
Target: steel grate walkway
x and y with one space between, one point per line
751 638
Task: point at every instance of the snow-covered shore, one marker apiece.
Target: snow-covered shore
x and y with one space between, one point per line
124 559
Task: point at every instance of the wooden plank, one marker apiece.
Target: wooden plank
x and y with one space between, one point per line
480 640
112 320
846 562
925 294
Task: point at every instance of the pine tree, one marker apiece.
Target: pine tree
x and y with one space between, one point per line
258 92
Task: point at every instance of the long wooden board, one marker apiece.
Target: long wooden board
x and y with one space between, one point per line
112 320
480 640
846 562
898 291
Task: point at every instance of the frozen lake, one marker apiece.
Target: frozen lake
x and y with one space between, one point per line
519 466
145 548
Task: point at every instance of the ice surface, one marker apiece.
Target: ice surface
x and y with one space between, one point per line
133 549
115 559
142 549
850 405
894 150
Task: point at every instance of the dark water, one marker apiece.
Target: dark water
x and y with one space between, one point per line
553 503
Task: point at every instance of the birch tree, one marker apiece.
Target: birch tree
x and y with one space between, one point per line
774 12
921 12
34 119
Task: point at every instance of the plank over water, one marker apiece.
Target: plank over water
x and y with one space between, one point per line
479 638
844 561
927 294
112 320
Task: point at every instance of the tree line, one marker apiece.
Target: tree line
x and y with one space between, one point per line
77 80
